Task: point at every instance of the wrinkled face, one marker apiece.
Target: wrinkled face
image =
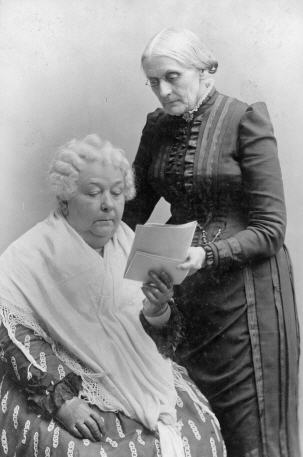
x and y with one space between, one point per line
177 87
96 210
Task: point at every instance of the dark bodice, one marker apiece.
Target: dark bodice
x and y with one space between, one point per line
181 174
220 169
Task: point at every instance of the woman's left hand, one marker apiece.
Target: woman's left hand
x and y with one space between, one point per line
158 291
81 419
194 261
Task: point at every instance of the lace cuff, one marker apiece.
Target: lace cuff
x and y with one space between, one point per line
168 336
160 320
52 397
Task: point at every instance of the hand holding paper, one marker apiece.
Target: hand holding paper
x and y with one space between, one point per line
194 261
160 247
158 291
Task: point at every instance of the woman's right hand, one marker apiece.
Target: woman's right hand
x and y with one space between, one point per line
158 291
81 419
195 260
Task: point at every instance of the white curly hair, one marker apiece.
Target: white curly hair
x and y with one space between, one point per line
71 158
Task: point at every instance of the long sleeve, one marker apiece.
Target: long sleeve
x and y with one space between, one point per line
263 194
46 389
168 336
138 210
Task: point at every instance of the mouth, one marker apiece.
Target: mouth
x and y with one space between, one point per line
170 102
104 221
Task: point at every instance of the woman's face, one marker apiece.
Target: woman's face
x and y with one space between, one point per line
96 210
177 87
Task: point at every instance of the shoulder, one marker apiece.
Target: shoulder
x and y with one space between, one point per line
29 245
256 119
257 107
258 110
254 110
27 239
226 110
156 115
246 114
228 101
154 119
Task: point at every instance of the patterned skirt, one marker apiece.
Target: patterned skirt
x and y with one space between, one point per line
24 433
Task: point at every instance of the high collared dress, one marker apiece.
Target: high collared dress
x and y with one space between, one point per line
241 342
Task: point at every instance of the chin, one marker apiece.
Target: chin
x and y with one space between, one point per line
174 110
104 234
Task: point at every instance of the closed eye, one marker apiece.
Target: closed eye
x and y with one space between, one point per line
153 82
170 77
116 192
173 76
93 194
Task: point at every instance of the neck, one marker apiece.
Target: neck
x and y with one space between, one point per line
94 242
209 84
100 251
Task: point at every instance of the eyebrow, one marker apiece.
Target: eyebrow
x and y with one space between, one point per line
95 181
164 74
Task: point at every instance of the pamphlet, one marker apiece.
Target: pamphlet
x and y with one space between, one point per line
159 247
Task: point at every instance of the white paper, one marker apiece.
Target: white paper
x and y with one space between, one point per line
159 247
143 262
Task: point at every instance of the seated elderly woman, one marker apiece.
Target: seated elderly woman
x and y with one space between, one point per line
80 374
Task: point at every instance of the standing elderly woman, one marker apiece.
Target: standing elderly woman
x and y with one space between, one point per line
79 375
214 159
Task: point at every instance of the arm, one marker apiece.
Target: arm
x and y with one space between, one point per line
46 389
263 196
263 188
140 208
169 334
160 317
54 391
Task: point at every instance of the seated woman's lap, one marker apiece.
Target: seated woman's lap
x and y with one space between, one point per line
26 433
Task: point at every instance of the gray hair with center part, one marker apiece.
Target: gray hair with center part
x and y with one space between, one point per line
72 157
182 45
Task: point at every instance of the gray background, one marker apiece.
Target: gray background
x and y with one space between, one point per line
72 67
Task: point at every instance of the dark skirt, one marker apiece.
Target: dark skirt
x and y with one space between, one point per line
25 433
242 350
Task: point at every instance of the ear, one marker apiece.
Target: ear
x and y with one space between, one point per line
63 207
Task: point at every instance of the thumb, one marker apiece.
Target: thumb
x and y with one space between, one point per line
184 265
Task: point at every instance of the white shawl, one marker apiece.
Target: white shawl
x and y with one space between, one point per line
53 282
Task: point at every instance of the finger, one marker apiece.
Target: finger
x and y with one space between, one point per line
167 279
185 265
158 281
94 428
151 289
85 431
150 286
74 431
191 272
99 421
150 295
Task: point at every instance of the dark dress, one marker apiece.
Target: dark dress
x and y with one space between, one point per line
242 337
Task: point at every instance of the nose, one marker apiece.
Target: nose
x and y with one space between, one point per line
164 88
106 201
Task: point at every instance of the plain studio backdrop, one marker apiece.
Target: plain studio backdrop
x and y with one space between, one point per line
72 67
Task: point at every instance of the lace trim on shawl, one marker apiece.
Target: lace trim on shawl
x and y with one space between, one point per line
188 387
93 391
